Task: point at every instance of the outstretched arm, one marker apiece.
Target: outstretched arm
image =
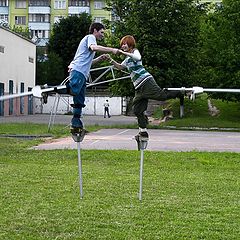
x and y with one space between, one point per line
113 62
98 48
135 55
99 59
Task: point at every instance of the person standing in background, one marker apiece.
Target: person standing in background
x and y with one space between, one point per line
106 109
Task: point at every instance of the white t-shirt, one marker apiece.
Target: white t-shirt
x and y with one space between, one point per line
84 55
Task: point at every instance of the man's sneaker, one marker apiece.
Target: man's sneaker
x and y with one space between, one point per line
78 133
44 94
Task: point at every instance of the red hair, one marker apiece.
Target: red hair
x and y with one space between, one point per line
129 40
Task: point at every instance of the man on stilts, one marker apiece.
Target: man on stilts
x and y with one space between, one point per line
79 70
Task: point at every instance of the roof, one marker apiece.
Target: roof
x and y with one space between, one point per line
17 34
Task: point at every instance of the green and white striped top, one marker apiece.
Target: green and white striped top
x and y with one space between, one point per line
137 72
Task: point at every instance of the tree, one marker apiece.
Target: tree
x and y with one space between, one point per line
167 36
49 69
66 36
220 50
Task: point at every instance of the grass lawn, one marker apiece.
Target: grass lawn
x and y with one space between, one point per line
192 195
188 195
196 114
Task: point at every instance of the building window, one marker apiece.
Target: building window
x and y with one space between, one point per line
31 60
1 49
3 3
4 17
98 4
39 18
60 4
99 19
20 20
20 4
78 3
39 33
39 3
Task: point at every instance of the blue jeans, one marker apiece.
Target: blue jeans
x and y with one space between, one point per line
77 83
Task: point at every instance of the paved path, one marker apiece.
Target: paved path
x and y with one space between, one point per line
160 140
66 119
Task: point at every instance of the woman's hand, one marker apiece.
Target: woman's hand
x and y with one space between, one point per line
120 51
106 57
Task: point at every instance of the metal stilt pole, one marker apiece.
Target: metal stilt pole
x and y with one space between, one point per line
142 145
141 174
80 169
78 137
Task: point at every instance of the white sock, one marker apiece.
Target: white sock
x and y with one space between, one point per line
142 129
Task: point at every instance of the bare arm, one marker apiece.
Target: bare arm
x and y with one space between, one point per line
98 59
113 62
116 64
98 48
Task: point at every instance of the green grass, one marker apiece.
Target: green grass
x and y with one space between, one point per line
34 129
192 195
196 114
188 195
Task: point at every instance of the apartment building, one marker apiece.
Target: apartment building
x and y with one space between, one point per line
39 16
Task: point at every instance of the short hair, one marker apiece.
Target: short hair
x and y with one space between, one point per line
129 40
96 25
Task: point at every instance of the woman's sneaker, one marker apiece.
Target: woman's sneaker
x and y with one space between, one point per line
142 136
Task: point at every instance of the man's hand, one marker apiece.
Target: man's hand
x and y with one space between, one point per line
115 51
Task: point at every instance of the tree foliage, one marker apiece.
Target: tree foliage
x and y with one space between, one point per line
167 34
182 43
66 36
49 69
220 49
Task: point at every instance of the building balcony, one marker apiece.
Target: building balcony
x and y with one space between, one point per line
39 26
78 10
4 10
39 10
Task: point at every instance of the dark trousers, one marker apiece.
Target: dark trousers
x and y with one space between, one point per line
149 90
106 111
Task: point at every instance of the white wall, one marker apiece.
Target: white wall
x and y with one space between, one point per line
14 62
94 105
